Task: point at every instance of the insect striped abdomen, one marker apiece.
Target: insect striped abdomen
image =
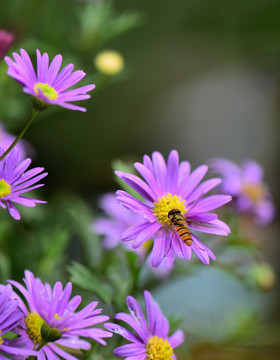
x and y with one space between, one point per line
184 234
180 225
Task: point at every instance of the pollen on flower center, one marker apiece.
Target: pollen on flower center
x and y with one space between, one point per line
47 90
255 192
1 340
165 204
158 349
5 188
34 323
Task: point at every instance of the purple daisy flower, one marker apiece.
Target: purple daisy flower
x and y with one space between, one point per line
14 181
49 86
151 340
10 316
169 187
50 319
245 183
6 40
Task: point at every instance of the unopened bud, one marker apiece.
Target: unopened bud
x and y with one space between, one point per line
6 40
263 276
109 62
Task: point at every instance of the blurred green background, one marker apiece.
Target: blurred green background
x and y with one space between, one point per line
201 77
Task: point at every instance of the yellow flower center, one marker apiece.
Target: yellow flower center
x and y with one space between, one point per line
158 349
165 204
256 192
5 188
47 90
34 323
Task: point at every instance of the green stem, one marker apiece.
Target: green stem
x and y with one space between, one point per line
33 115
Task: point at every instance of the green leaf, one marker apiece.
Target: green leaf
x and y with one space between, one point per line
54 244
88 280
5 268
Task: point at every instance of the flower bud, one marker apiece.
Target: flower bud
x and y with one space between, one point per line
263 276
6 40
109 62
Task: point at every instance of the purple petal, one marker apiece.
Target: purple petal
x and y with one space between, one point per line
201 254
17 351
24 201
192 181
159 169
148 163
183 173
63 75
13 210
214 227
137 313
29 66
203 189
129 350
132 322
75 77
172 171
50 354
137 357
135 205
159 247
210 203
181 249
252 172
68 106
225 167
86 311
117 329
60 352
26 184
42 66
200 217
150 307
139 185
149 178
169 257
53 69
176 339
147 233
74 343
131 232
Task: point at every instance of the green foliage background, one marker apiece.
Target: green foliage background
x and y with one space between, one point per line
164 43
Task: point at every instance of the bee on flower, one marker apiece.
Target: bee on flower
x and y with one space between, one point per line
251 195
166 187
